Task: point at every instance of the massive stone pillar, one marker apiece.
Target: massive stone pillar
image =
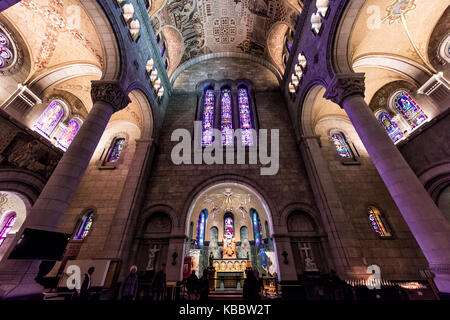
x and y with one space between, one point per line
47 212
426 221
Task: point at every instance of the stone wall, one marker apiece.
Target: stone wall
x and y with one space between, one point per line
359 185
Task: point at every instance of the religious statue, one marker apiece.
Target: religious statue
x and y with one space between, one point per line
242 211
151 257
22 156
229 249
310 265
211 259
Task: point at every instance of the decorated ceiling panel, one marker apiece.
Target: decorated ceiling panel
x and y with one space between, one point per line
209 26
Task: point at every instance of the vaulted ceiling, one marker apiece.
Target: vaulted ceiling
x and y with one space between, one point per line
197 27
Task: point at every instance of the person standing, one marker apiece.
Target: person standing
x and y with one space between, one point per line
204 286
84 290
159 284
250 289
130 285
192 285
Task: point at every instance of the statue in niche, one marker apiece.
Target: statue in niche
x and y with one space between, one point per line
242 211
211 259
310 265
229 249
22 156
151 257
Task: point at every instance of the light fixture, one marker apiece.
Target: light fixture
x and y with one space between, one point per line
154 75
135 26
316 23
295 80
128 12
322 7
157 83
291 87
161 92
302 61
149 66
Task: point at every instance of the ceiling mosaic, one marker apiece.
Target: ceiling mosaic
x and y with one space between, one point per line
209 26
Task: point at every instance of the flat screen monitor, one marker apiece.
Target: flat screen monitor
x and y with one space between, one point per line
37 244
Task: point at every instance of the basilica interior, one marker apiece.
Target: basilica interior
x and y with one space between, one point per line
347 102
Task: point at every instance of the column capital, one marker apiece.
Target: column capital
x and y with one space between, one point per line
110 92
344 85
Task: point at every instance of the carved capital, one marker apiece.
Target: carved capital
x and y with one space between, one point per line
345 85
110 92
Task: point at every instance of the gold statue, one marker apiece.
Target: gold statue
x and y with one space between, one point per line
229 249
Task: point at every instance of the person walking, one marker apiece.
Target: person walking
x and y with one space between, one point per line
159 284
130 285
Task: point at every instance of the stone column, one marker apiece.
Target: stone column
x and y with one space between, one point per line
426 221
48 210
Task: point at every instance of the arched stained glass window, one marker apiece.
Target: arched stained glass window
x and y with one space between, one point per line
377 222
208 118
69 133
116 150
409 109
201 227
162 50
6 56
229 227
342 146
256 227
245 118
7 228
226 118
390 126
85 226
50 118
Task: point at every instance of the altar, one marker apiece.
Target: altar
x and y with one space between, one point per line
230 273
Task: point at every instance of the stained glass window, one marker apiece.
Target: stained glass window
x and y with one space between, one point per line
245 119
342 146
162 50
116 150
208 118
288 46
377 223
7 228
229 228
201 227
69 133
5 54
256 227
390 126
85 226
50 118
409 109
227 118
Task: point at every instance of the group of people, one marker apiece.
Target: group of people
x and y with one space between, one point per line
129 287
198 289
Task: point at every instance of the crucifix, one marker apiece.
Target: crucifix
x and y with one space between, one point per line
151 257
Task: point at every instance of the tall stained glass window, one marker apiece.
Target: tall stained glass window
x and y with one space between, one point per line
6 55
50 118
208 118
229 228
116 150
342 146
377 222
7 228
256 227
245 118
227 118
85 226
390 126
201 227
69 133
409 109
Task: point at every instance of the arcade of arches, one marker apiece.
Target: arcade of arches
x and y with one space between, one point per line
93 93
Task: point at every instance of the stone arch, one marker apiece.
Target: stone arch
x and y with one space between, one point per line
158 208
300 221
